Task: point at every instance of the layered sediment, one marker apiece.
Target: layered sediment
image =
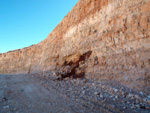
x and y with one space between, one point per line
97 39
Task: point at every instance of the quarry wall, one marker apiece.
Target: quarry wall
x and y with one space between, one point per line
101 39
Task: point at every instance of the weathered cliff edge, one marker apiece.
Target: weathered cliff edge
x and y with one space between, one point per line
98 39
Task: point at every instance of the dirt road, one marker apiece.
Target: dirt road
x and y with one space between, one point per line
34 94
23 94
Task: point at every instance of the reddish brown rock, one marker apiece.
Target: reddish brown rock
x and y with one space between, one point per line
98 39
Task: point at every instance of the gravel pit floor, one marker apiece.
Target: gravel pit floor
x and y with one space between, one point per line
44 94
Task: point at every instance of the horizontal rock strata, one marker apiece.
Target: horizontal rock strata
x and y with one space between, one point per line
98 39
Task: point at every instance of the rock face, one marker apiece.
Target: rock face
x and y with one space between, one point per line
97 39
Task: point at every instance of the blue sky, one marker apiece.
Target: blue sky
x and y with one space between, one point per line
27 22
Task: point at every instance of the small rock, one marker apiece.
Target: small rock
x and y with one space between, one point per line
138 106
141 93
15 109
93 84
104 100
84 87
148 102
137 97
103 87
148 96
116 96
123 93
111 96
83 91
132 107
55 74
66 78
5 86
141 106
125 101
128 102
5 99
113 106
131 96
9 92
110 89
137 101
101 96
116 90
96 93
5 107
144 99
70 89
56 83
147 107
124 107
84 81
77 81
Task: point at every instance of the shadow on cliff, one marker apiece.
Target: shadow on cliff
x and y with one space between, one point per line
70 68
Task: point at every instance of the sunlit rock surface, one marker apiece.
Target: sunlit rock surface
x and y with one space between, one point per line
97 39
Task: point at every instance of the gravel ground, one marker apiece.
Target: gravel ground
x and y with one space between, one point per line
45 94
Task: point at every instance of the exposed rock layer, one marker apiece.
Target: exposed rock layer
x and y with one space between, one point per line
115 32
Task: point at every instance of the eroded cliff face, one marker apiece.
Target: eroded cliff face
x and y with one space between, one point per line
97 39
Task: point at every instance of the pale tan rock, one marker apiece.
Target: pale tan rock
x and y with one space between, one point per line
116 32
148 102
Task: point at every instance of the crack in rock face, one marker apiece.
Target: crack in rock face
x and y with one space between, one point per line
69 69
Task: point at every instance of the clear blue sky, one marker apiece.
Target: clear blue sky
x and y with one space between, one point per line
27 22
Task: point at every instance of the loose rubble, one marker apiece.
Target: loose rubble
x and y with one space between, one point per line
120 97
